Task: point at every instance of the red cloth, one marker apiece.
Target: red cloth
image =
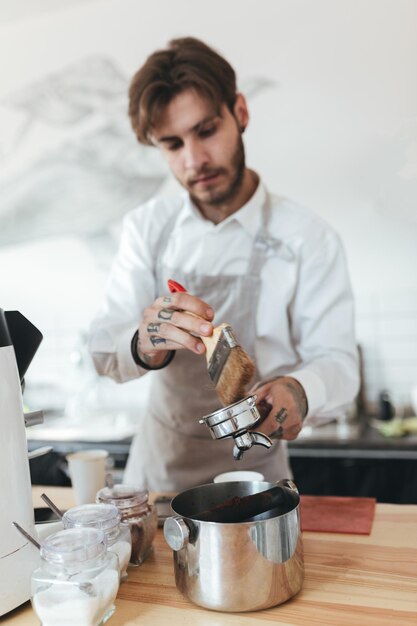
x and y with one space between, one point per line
334 514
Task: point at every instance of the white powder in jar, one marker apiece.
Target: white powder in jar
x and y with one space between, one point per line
106 586
68 605
65 605
122 549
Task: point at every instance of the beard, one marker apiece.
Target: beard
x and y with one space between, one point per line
214 197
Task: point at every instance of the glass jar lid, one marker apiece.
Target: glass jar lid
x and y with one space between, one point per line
105 517
123 496
74 545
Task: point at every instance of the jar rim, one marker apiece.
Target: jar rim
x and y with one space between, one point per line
102 516
73 545
123 496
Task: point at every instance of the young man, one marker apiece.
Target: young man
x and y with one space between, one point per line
273 270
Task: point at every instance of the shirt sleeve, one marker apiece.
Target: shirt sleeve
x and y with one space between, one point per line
129 290
322 318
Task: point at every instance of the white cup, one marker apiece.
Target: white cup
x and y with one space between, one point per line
238 475
87 469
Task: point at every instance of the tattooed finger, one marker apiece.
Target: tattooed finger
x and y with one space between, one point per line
156 341
282 415
153 328
166 314
167 299
278 433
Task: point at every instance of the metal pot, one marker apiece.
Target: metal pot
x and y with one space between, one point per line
244 566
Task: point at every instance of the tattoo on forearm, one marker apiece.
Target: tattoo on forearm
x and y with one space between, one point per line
166 314
153 328
299 396
156 341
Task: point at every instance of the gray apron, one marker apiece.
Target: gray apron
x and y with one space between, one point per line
172 451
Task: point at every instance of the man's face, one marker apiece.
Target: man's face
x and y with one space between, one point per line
203 148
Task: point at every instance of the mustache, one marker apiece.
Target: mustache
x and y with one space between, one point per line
204 173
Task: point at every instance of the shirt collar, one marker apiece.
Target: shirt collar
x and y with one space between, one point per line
248 216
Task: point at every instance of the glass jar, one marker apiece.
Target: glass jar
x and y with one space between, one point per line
136 511
107 518
77 581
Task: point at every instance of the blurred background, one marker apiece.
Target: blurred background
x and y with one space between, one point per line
332 92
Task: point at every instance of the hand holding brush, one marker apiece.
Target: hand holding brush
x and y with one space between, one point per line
172 322
228 365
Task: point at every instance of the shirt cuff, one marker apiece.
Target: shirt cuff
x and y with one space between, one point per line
314 389
127 367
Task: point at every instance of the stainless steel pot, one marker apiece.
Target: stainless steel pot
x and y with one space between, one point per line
244 566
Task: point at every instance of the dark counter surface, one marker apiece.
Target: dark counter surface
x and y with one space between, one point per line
339 458
353 438
358 438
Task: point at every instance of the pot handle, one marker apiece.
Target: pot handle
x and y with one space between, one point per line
176 533
289 484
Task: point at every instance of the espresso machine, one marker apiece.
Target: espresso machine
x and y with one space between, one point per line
19 340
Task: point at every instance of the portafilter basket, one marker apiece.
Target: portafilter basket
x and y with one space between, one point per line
236 421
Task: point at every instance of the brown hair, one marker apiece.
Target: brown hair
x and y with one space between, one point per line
186 63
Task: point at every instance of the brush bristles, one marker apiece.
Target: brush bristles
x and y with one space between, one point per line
235 376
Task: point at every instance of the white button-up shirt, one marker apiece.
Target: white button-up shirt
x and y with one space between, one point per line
305 318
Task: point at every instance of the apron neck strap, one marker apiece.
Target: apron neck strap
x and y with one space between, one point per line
262 244
263 241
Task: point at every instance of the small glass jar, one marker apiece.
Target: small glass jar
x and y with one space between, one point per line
136 511
77 581
107 518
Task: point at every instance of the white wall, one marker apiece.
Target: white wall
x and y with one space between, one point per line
337 131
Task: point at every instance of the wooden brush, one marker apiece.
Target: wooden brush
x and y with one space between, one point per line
228 365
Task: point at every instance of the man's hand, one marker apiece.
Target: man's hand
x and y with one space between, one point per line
283 403
173 322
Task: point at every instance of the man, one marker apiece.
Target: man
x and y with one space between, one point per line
273 270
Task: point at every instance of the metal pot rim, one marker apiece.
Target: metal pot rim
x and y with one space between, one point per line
195 522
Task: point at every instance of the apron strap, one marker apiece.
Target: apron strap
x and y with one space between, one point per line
266 245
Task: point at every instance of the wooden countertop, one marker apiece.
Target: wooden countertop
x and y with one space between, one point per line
349 580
